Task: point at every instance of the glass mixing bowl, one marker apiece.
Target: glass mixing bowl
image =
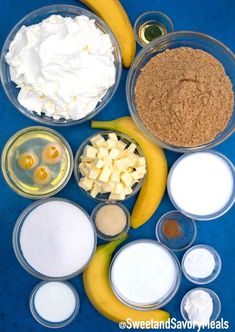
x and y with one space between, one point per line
104 197
170 41
36 17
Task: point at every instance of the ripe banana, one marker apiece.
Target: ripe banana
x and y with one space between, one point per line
99 292
155 181
113 13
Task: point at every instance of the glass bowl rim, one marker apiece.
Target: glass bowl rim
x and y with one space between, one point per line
119 235
214 215
163 218
210 292
44 11
138 59
174 289
16 244
46 323
12 139
213 276
79 154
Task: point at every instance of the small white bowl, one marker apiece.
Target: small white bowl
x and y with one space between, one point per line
215 272
215 299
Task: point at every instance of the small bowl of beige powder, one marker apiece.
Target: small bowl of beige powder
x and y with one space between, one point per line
180 91
111 220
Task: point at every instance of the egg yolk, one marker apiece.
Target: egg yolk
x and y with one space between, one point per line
52 153
27 160
42 175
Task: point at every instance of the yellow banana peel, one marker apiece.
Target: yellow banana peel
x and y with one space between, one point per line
100 294
155 181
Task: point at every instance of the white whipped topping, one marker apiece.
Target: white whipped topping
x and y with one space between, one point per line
63 66
199 307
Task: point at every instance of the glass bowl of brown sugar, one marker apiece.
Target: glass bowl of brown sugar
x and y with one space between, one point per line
180 91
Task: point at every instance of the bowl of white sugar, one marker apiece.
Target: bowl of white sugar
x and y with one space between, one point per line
54 239
60 65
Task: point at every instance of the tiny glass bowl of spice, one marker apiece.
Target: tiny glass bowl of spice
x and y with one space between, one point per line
200 306
111 220
37 162
176 231
151 25
201 264
110 166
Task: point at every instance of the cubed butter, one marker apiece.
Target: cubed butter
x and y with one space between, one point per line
126 178
86 183
105 174
94 173
115 176
140 169
102 152
111 144
89 152
118 189
131 148
121 145
141 161
114 153
113 136
123 163
117 197
98 141
98 163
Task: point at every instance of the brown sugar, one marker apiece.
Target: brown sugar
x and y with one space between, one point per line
184 97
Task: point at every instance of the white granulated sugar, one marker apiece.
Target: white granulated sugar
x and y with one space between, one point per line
199 263
63 66
57 239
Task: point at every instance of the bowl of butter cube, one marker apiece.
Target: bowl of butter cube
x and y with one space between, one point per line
110 166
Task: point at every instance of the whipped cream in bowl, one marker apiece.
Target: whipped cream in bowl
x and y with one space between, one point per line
60 65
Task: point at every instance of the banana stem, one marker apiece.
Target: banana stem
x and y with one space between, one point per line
114 244
103 124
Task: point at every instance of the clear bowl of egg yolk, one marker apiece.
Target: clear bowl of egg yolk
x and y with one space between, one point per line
37 162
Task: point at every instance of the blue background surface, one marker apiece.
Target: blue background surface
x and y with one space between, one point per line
215 18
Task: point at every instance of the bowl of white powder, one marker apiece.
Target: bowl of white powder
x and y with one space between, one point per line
60 65
54 239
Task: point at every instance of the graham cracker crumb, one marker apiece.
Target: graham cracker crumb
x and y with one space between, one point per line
184 97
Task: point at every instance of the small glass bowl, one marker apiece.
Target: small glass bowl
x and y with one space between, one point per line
35 17
152 17
124 138
215 299
215 272
17 247
105 237
188 230
163 301
49 324
27 188
214 215
171 41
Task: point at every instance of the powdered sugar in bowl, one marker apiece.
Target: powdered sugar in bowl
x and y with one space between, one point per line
50 91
